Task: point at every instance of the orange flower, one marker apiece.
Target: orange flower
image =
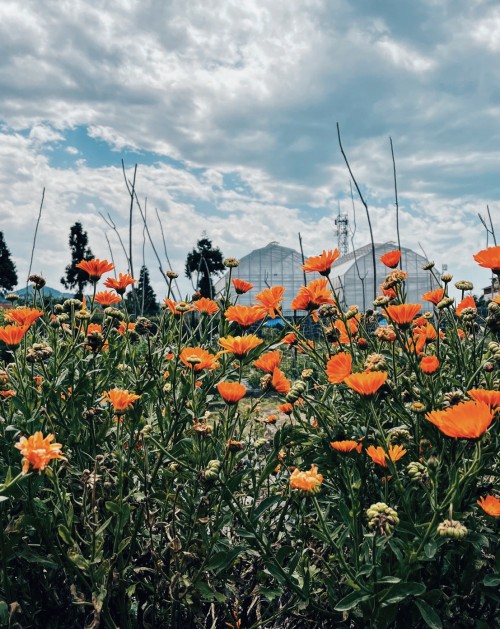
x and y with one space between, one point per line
271 419
468 420
107 298
244 315
492 398
94 327
95 268
38 451
422 335
120 285
313 296
206 305
380 456
467 302
240 345
24 316
289 339
286 408
388 292
8 393
434 296
346 446
123 328
429 364
366 383
269 361
199 358
489 259
231 392
309 482
490 504
11 335
121 399
352 324
270 300
403 314
339 367
321 264
279 382
241 286
391 258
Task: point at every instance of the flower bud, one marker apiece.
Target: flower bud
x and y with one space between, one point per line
452 528
382 519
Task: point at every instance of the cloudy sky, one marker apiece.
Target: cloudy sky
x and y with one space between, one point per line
229 108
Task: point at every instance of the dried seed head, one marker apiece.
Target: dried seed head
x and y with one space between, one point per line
464 285
231 263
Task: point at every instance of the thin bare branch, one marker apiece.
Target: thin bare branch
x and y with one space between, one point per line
110 252
396 201
36 232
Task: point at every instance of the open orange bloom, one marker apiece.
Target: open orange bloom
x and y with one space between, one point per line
403 314
467 302
434 296
24 316
391 258
339 367
107 298
125 327
244 315
12 335
366 383
380 456
38 451
429 364
309 482
270 300
346 446
468 420
121 399
489 258
198 358
279 382
240 286
94 327
313 296
240 345
95 268
206 305
490 505
286 408
8 393
231 392
321 264
351 328
120 285
289 339
269 361
492 398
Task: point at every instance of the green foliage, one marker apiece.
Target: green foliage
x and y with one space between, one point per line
8 275
145 297
73 277
202 263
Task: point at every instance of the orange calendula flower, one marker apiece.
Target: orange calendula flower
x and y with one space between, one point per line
269 361
289 339
198 358
339 367
490 505
366 383
492 398
94 327
313 296
123 328
347 445
309 482
380 456
107 298
8 393
468 420
24 316
429 364
467 302
120 285
321 264
12 335
403 314
434 296
240 345
121 399
244 315
38 451
270 300
206 305
286 408
240 286
391 258
279 382
351 328
231 392
95 268
489 259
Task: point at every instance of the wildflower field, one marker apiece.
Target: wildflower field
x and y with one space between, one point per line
141 485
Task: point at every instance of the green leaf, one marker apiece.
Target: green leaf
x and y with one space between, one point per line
207 594
429 616
266 504
490 580
64 534
402 590
430 550
223 559
351 600
389 579
123 544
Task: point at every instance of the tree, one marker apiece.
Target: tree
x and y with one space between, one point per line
78 242
145 295
204 261
8 275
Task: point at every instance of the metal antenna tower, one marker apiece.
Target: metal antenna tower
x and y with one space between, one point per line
342 224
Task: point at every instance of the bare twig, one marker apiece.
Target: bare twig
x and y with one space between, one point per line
303 260
34 237
110 223
131 191
165 250
396 201
110 252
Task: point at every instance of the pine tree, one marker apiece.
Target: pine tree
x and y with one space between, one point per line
78 242
145 296
8 275
204 261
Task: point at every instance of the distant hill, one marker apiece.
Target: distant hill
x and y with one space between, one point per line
46 291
